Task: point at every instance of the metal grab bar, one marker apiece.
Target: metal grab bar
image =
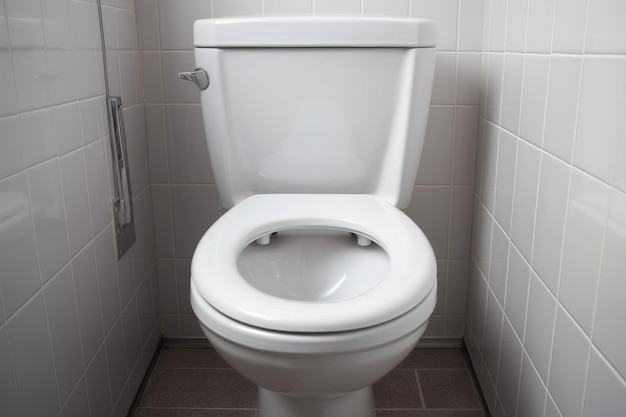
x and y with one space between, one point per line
123 202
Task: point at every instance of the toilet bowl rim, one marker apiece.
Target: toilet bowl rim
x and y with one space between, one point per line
275 341
411 273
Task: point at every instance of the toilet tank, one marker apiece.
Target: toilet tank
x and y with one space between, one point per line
315 104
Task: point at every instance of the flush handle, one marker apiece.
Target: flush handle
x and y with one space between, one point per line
199 77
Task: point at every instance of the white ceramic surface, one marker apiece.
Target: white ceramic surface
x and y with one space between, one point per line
285 158
410 275
314 32
317 371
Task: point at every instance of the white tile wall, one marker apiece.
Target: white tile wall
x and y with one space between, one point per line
556 144
185 199
62 290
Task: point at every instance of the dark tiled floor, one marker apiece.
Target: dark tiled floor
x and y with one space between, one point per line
196 382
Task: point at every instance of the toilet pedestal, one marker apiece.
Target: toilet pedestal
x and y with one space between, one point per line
354 404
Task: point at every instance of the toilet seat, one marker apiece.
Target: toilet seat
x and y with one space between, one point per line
411 275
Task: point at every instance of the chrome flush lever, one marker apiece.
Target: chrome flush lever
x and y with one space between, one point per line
199 77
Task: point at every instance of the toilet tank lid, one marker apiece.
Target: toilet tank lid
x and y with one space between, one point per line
309 31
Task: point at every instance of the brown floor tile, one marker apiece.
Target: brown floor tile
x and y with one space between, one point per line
196 382
397 389
186 412
429 413
448 390
435 359
190 358
198 388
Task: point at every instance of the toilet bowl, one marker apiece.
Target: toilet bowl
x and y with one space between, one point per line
314 284
312 317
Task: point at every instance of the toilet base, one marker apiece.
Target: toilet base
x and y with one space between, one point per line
354 404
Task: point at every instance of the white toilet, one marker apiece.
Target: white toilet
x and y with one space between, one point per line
314 284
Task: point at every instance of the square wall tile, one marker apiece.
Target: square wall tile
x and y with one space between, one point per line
99 204
539 30
568 367
497 24
398 8
430 210
27 65
25 23
507 153
77 405
436 161
76 198
491 140
188 154
66 128
107 277
606 390
470 25
570 17
605 29
562 106
61 65
483 247
517 16
11 159
609 332
444 82
166 271
516 303
468 79
18 251
9 405
445 13
88 301
97 378
539 325
550 221
498 262
152 77
194 209
230 8
587 213
509 369
465 146
33 365
8 104
157 144
512 92
534 92
532 391
525 197
493 99
600 115
176 19
462 207
493 336
291 7
146 12
49 218
37 136
64 331
350 7
456 290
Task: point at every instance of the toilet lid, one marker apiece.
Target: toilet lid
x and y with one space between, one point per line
410 276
